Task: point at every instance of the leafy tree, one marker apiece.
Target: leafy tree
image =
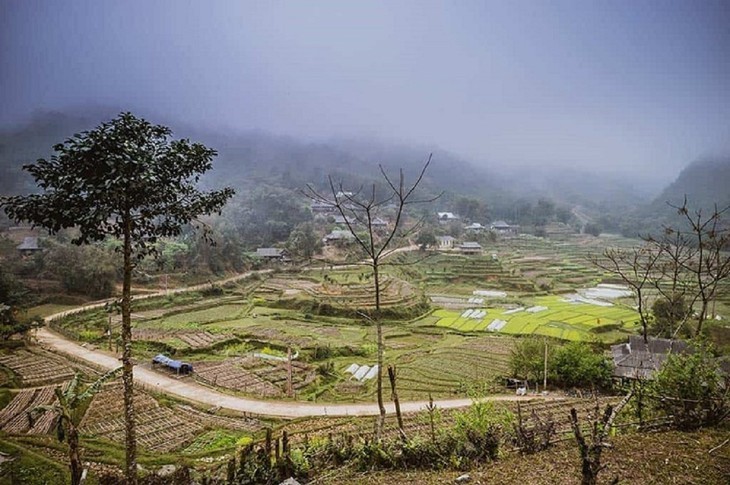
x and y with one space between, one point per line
426 238
690 388
593 229
125 179
668 314
70 409
304 242
10 324
89 270
577 365
527 360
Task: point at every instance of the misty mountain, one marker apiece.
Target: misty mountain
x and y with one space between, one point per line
248 160
704 182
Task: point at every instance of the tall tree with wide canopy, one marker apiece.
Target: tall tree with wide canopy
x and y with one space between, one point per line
126 179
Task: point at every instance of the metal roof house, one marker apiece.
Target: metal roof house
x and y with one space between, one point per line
502 227
470 247
273 254
29 245
445 242
641 360
174 365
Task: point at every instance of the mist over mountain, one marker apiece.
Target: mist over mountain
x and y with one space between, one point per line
254 160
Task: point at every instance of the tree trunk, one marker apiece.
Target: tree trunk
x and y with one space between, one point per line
127 377
73 454
379 330
396 401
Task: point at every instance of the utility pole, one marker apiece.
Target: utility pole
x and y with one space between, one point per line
289 387
544 376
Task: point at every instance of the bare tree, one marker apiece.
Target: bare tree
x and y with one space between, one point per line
363 207
635 266
591 450
685 264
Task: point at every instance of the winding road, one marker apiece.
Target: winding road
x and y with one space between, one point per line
196 393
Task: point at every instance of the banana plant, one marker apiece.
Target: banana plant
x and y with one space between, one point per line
69 407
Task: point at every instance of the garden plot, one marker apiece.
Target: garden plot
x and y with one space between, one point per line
190 339
14 418
564 318
159 428
255 376
36 369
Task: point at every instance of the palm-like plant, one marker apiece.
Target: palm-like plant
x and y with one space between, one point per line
69 407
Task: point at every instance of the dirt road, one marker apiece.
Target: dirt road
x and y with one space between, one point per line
191 391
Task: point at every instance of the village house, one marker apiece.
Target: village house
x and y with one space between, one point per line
322 207
501 227
273 254
378 222
475 227
445 242
470 247
447 217
641 360
337 236
29 246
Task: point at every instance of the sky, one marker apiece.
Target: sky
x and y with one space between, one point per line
635 86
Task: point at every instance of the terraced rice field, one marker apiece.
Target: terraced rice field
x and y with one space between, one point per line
551 316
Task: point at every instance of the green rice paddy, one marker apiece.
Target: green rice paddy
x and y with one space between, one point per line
562 319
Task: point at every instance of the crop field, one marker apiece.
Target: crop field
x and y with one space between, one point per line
14 418
253 375
551 316
36 368
159 428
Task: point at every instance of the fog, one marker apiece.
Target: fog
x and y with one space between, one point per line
634 87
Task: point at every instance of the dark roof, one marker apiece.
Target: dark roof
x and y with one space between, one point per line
269 252
29 244
638 359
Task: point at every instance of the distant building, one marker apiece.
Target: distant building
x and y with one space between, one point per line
322 207
28 246
641 360
475 227
445 242
273 254
470 247
501 227
337 236
378 222
446 217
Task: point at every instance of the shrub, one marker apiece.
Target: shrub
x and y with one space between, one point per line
577 365
690 389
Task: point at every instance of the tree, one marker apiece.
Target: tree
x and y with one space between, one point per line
668 314
527 360
426 238
689 260
577 365
593 229
362 208
303 241
692 390
128 180
70 409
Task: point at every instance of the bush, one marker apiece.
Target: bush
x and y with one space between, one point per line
578 365
690 389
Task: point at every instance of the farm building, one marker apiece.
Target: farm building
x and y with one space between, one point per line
501 227
273 254
322 207
28 246
378 222
174 365
445 242
640 360
470 247
446 217
338 236
475 227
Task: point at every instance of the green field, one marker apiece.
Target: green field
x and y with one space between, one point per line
562 319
